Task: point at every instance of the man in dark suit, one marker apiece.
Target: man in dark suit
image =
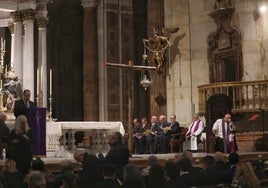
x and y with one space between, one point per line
117 155
23 106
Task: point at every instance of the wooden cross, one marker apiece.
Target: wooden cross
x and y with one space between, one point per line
131 67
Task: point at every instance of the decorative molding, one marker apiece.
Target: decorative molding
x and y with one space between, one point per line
42 22
89 3
17 16
28 14
11 27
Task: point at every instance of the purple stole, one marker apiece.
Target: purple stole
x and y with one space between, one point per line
225 135
196 127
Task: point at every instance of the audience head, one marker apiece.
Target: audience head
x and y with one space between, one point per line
66 165
233 158
187 154
109 170
21 124
115 139
172 169
152 159
156 176
185 164
79 156
208 161
131 172
37 180
219 156
3 116
26 95
38 164
9 166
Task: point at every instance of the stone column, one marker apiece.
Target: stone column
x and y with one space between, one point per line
17 50
28 51
91 79
42 59
12 55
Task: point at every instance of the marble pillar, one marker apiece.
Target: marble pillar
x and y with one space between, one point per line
42 60
12 54
28 52
90 74
17 51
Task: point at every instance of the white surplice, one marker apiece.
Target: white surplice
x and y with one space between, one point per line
190 142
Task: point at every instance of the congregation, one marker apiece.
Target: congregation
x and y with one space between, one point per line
114 170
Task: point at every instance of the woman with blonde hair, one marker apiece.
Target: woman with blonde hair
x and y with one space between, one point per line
244 176
11 178
21 141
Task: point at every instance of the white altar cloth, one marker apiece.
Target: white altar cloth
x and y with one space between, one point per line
54 130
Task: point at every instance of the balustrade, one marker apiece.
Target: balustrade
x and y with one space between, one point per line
247 96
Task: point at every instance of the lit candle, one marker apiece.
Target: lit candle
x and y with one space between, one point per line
37 82
50 82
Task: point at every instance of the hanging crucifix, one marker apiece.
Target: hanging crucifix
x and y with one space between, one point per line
131 68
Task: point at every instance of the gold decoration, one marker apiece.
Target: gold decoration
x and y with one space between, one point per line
17 16
11 27
28 14
42 22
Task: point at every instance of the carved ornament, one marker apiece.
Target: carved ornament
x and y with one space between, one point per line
17 16
89 3
42 22
28 14
11 27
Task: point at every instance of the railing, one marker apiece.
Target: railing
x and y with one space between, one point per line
248 96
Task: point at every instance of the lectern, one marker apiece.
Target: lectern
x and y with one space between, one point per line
37 120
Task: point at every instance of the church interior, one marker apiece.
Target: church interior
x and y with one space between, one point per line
116 60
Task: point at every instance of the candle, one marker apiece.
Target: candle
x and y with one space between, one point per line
41 79
50 82
37 82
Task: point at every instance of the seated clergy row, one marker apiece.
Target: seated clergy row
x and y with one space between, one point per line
154 137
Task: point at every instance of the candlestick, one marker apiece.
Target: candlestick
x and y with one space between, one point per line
37 82
4 45
41 79
50 82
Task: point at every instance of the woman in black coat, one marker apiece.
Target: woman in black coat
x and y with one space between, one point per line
21 141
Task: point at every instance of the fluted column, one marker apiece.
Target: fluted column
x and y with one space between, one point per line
42 59
11 29
91 80
17 49
28 51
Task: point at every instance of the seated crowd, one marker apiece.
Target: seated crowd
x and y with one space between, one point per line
215 171
157 136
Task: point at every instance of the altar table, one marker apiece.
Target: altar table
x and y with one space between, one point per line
98 131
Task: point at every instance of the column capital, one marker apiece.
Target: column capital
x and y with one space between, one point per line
17 16
11 27
89 3
28 14
42 22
